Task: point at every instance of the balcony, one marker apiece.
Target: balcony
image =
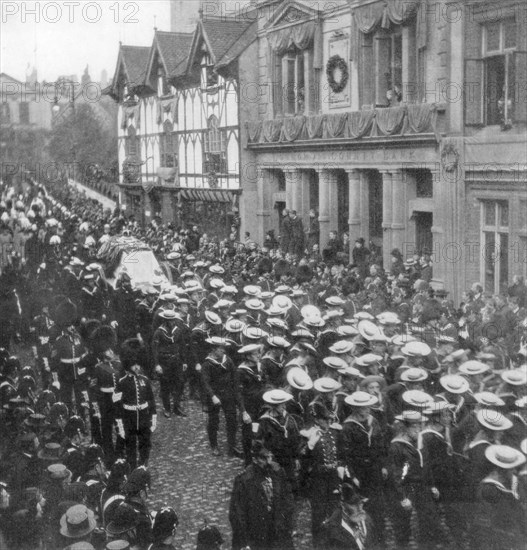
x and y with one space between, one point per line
414 122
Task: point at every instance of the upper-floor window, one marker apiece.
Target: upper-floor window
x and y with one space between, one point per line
209 77
382 68
495 74
163 86
132 143
168 146
23 112
499 43
293 72
215 146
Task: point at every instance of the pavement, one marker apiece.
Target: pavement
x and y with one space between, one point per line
90 193
186 476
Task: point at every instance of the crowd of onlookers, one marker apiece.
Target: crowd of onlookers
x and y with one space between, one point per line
351 385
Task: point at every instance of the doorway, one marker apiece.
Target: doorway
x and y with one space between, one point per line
423 231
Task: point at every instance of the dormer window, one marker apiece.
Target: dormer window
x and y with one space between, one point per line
209 77
163 87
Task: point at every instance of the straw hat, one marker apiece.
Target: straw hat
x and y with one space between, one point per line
326 385
361 399
368 359
418 398
473 367
414 374
299 379
453 383
515 377
489 399
334 362
504 457
411 417
369 330
416 349
277 397
342 347
493 420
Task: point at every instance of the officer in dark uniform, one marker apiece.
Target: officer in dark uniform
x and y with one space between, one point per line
218 376
92 298
67 350
135 405
323 468
107 372
144 312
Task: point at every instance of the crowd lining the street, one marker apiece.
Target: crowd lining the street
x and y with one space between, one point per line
352 385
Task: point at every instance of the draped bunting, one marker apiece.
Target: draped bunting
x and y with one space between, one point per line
415 119
131 111
360 123
422 117
254 129
367 19
314 126
271 130
391 120
292 128
167 106
301 36
335 125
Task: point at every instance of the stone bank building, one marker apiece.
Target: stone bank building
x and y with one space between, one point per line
400 122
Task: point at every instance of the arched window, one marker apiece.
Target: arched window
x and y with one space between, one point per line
168 146
215 145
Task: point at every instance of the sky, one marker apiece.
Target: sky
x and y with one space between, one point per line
72 34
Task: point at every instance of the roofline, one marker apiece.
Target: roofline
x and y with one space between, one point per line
219 64
12 78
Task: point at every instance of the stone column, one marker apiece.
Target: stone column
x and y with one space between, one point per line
290 188
327 204
398 210
354 190
386 216
265 184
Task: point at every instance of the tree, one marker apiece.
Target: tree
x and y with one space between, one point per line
80 139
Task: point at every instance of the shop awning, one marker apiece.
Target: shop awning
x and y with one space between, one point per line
209 195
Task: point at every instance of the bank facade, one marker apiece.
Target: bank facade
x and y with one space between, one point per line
364 115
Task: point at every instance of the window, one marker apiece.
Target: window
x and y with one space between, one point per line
424 184
209 77
168 146
23 112
132 143
5 113
499 42
163 87
294 83
495 242
389 68
215 145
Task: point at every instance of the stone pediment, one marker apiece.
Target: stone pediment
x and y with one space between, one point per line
291 13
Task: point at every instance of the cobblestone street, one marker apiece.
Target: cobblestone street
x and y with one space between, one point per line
187 477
